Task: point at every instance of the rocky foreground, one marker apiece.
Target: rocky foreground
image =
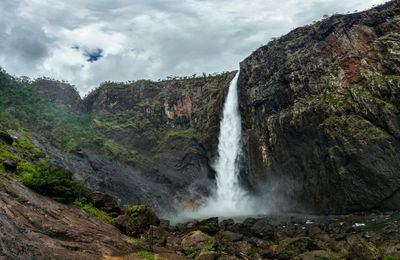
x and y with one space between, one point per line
36 227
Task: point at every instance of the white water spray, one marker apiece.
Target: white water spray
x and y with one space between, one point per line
229 193
229 199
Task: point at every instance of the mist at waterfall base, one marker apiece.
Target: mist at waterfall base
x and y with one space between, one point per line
229 199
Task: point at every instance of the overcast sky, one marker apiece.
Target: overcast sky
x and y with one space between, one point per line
87 42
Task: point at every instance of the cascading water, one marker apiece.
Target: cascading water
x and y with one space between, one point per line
229 199
229 193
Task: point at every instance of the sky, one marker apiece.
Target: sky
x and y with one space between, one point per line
86 42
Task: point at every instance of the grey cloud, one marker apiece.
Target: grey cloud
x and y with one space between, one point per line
146 38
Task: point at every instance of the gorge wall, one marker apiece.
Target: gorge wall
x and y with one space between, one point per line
321 114
154 141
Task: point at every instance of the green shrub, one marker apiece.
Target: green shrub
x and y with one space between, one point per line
51 181
134 210
210 245
189 251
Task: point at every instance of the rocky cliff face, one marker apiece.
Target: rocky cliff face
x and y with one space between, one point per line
58 92
321 114
162 137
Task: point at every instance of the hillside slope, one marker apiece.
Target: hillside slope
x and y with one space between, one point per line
36 227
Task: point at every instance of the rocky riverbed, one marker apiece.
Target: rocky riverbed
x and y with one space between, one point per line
365 235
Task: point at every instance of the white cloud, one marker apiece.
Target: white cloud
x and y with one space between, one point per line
145 38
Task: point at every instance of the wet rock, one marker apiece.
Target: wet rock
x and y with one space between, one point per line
230 236
226 223
262 229
10 165
249 222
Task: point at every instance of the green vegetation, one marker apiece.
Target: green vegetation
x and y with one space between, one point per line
209 228
389 257
51 181
22 108
93 211
290 248
355 127
145 255
189 251
286 254
134 210
120 123
136 241
34 171
210 245
189 133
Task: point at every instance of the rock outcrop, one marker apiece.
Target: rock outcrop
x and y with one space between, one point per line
58 92
321 115
35 227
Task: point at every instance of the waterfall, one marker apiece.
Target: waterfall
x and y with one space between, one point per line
229 193
229 199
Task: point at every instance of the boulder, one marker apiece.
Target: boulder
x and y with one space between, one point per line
209 226
262 229
226 223
207 255
291 247
230 236
10 165
157 235
125 224
104 202
195 239
173 242
136 220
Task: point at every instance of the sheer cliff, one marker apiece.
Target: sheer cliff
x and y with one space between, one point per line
321 107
